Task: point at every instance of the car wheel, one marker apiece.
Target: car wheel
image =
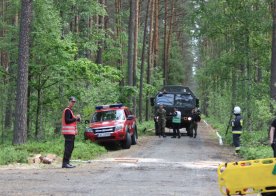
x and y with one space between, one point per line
134 136
127 142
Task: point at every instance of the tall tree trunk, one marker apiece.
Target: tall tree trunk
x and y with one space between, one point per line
169 36
150 54
273 56
142 64
156 33
118 21
131 42
99 59
135 52
20 128
165 45
72 22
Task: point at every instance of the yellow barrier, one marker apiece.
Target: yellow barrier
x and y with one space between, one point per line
247 177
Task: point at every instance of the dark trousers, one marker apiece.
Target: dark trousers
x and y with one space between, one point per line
68 148
273 146
176 129
193 129
236 142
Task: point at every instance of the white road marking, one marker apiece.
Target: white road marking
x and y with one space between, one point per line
205 122
219 137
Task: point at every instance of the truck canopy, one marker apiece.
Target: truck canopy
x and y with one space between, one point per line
176 96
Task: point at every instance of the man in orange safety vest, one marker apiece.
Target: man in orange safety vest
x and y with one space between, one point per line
69 130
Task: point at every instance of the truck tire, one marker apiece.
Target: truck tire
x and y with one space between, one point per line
127 142
134 136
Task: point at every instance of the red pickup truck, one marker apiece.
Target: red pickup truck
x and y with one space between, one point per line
113 123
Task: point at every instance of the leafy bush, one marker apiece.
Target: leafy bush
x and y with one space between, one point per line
9 154
259 152
146 128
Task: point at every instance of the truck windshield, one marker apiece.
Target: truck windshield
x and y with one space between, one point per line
184 100
165 99
108 115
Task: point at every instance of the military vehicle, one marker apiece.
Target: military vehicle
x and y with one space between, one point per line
175 96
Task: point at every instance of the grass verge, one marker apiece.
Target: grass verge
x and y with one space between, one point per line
84 150
254 145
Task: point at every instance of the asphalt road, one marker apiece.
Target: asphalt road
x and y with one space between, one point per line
155 166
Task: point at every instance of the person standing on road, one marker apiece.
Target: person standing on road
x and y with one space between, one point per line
69 130
176 120
161 119
194 124
237 124
272 136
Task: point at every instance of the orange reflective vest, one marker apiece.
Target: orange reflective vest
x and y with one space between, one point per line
68 129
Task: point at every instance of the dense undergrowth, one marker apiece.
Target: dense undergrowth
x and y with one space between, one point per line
254 144
54 144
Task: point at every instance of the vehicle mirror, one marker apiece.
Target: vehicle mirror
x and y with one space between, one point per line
86 121
197 102
152 101
130 117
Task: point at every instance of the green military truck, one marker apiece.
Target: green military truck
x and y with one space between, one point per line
175 96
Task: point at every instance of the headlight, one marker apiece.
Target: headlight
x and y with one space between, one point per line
189 118
88 129
118 127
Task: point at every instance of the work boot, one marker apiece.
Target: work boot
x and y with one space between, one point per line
67 165
179 136
195 136
71 165
173 136
164 135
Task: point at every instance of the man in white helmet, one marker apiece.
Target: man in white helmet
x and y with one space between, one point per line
237 124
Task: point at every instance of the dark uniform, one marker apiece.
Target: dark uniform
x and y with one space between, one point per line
195 119
161 119
237 124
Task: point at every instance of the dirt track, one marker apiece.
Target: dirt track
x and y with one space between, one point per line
155 166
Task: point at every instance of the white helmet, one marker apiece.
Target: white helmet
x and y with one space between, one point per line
237 110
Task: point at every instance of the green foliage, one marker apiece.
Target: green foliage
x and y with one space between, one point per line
180 70
10 154
126 93
19 154
234 46
254 145
87 150
146 128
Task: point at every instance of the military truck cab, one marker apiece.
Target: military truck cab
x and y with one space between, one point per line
180 97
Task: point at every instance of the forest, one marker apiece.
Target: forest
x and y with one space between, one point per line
112 51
